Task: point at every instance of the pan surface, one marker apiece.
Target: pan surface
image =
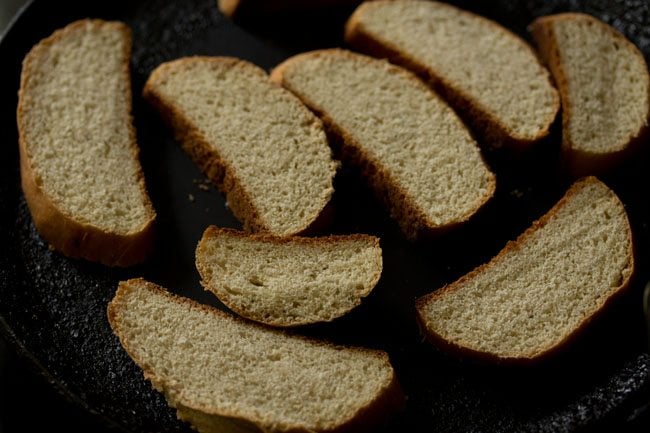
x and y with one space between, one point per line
53 308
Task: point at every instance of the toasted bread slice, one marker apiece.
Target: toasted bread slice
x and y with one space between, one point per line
78 154
414 151
288 281
235 8
225 374
541 289
604 86
264 150
490 75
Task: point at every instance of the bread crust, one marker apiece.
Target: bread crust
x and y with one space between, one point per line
492 131
580 162
224 297
390 399
228 7
65 232
216 168
403 208
550 350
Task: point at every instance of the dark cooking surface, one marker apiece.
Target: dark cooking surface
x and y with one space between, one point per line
53 308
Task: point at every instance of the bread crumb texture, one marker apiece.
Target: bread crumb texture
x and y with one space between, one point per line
393 122
288 282
489 66
219 370
75 125
544 286
604 82
269 143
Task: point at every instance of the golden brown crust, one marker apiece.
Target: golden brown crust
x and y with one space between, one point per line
389 399
227 300
403 208
206 157
581 162
283 240
228 7
491 129
65 232
512 245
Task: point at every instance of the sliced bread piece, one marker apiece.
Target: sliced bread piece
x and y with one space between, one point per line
225 374
604 86
264 150
235 8
541 289
288 281
414 151
486 72
78 154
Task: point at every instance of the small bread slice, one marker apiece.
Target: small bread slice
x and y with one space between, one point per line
78 154
288 281
541 289
235 8
604 86
414 151
490 75
257 142
225 374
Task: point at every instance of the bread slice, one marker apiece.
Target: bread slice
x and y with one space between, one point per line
235 8
486 72
413 149
264 150
225 374
78 154
288 281
541 289
604 86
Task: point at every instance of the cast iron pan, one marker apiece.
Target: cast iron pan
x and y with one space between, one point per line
53 308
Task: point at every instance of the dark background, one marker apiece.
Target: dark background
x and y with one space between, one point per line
29 403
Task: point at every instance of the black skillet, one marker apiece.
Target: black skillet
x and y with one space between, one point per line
53 309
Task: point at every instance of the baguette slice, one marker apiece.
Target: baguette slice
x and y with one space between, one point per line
414 151
288 281
235 8
264 150
224 374
604 86
78 154
541 289
486 72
